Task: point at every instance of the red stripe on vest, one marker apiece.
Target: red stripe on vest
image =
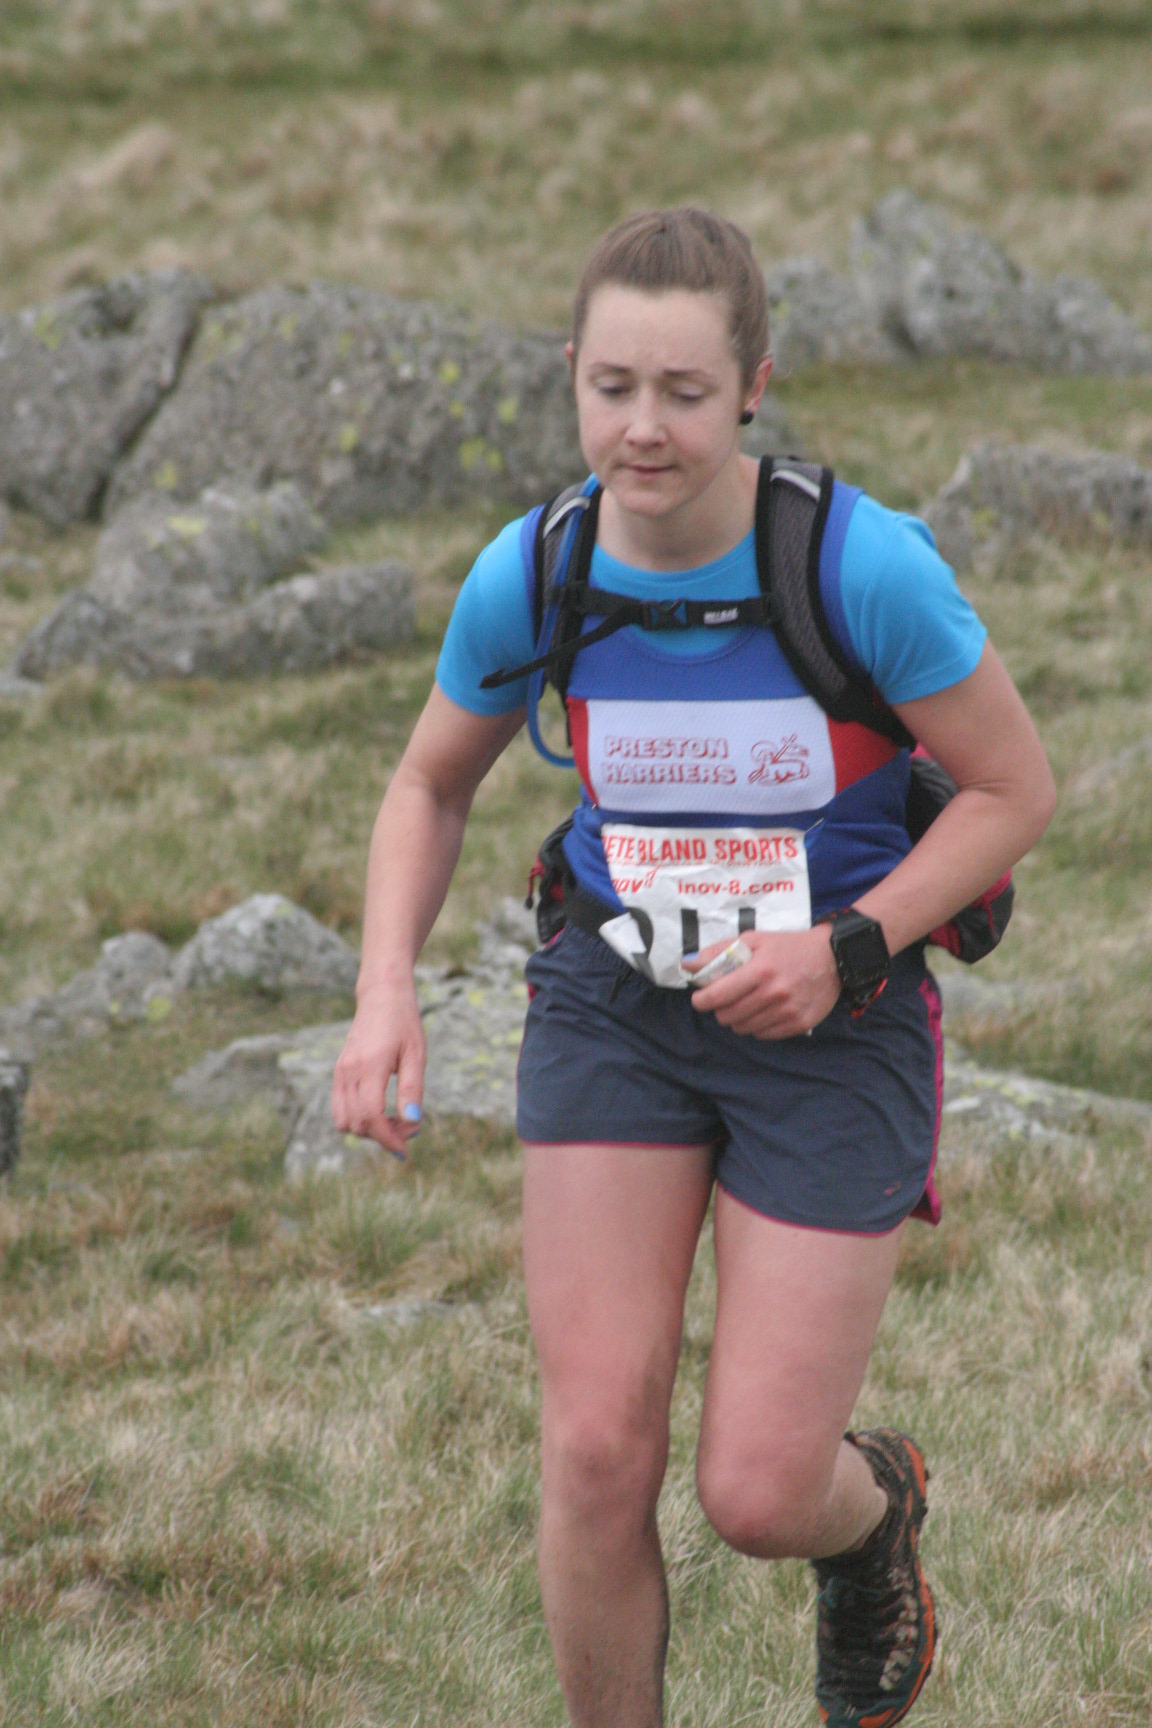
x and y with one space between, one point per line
578 732
857 751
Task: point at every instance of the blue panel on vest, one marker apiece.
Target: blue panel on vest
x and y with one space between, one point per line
746 665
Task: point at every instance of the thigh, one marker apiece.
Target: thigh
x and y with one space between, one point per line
607 1057
796 1316
836 1131
610 1234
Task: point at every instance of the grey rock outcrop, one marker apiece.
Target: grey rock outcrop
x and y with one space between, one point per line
1002 493
473 1019
131 980
13 1087
178 592
80 377
369 403
919 289
815 315
267 944
996 1109
939 291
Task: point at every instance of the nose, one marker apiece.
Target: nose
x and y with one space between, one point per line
646 426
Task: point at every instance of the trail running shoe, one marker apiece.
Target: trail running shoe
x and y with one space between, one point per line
875 1621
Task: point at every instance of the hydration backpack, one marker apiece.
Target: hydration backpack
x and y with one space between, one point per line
792 503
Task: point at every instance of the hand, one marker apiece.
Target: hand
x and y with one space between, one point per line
787 987
386 1038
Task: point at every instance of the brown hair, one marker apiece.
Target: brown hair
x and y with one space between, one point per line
684 248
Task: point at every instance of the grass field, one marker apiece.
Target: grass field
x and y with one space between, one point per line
236 1485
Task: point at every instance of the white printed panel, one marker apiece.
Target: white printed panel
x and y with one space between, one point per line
686 888
721 758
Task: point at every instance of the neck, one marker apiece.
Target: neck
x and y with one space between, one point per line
699 532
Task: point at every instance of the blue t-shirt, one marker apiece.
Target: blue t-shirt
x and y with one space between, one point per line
711 729
890 600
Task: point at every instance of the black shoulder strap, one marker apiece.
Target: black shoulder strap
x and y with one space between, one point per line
792 503
549 538
573 581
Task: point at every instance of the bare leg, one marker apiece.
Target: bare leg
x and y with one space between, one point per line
609 1237
797 1312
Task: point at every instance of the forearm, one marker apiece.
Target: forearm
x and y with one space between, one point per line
415 847
418 832
974 840
979 730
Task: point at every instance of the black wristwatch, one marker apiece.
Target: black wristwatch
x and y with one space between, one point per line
861 956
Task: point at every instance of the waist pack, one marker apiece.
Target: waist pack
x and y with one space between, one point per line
792 504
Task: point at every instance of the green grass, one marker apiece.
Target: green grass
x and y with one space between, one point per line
235 1491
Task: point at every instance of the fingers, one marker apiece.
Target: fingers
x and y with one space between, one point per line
410 1090
360 1087
787 986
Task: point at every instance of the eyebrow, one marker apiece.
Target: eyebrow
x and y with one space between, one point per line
694 372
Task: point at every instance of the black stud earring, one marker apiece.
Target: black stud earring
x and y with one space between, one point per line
747 417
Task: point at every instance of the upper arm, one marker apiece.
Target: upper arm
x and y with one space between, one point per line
981 732
451 749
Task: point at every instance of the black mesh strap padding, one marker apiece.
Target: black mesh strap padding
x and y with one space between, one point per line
549 538
551 529
576 579
792 504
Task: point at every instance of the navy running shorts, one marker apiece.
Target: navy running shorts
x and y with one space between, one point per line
837 1131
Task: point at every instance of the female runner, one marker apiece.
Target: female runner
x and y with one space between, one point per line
812 1124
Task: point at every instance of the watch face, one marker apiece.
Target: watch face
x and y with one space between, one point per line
861 951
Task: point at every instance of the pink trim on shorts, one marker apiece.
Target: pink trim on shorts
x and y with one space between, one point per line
819 1229
929 1206
631 1145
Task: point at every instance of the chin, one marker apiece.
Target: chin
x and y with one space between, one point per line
656 491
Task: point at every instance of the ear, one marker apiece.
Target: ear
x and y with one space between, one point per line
570 356
759 384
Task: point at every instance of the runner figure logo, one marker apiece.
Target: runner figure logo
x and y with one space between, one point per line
787 760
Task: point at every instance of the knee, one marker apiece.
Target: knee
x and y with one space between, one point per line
603 1463
769 1506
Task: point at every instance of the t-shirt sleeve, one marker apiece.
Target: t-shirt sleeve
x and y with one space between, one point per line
490 627
910 627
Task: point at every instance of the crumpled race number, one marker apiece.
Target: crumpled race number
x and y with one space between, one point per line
686 888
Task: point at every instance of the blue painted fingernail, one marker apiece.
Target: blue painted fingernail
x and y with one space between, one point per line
412 1112
400 1157
694 955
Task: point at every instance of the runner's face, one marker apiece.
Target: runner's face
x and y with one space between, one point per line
658 395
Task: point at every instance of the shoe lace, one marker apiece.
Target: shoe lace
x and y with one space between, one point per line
869 1627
